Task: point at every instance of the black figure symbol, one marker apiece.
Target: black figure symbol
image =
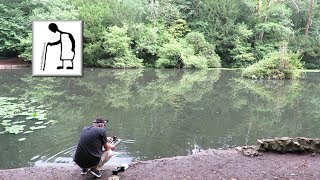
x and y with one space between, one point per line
65 53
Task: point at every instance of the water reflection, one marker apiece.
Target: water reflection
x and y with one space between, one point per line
158 113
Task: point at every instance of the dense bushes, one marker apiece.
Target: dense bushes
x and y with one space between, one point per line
12 29
279 65
117 35
196 34
203 48
116 45
45 10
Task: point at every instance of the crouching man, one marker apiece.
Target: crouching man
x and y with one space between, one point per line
90 155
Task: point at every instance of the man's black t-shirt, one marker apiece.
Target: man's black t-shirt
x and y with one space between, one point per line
89 149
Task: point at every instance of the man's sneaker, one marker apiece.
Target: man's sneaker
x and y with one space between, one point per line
84 171
95 172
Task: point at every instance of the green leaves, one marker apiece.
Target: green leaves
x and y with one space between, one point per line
16 18
242 53
12 28
117 45
280 65
130 33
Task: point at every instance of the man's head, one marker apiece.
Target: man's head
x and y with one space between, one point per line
99 122
53 27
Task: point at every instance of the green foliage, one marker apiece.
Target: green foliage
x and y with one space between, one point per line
164 11
173 54
197 62
240 32
217 20
12 28
181 54
179 28
107 13
203 48
45 10
26 43
117 46
274 20
242 53
278 65
309 48
147 40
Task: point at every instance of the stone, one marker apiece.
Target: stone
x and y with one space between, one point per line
286 144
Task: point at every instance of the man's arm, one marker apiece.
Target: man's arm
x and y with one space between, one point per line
54 43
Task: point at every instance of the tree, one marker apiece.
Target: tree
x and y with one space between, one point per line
242 53
13 25
44 10
308 23
116 44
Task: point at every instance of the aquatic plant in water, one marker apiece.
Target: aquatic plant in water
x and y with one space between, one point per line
22 116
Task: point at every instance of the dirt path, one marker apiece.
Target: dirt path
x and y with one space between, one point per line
209 164
13 63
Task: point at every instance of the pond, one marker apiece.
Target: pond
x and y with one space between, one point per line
158 113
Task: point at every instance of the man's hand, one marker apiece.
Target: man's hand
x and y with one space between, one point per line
110 139
108 146
112 147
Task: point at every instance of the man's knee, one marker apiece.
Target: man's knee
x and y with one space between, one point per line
106 154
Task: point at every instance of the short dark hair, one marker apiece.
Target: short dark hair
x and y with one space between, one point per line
100 120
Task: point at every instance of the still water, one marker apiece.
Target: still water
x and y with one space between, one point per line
158 113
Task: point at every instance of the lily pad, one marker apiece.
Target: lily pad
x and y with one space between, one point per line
51 122
15 129
37 127
22 139
27 132
11 110
41 118
5 123
8 116
25 113
18 122
41 106
34 115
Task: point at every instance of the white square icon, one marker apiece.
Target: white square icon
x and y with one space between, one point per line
57 48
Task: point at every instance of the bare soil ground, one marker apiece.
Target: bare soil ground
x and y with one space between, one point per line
209 164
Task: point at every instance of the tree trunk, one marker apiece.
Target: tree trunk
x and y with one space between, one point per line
153 10
260 5
262 32
309 18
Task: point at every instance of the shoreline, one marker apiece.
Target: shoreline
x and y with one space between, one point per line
207 164
18 63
